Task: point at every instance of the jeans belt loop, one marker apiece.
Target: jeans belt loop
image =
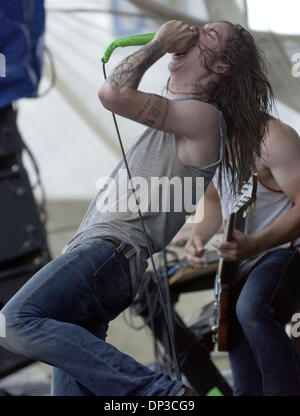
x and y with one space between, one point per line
120 246
129 253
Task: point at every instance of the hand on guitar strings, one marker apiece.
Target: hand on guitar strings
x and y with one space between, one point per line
241 247
194 250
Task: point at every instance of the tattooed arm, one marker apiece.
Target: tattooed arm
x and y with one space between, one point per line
120 93
130 71
122 84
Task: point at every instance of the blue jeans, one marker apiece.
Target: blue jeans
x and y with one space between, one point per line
61 316
263 359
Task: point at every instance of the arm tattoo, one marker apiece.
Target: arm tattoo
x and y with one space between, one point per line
165 114
154 112
131 70
146 106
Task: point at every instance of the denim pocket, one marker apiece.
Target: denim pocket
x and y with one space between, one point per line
112 286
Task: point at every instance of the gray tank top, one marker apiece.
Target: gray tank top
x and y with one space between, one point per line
167 191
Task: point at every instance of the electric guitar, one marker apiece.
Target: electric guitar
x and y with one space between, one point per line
243 204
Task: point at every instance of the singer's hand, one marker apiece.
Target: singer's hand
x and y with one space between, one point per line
176 36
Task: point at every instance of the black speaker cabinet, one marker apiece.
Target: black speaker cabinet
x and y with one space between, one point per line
21 231
23 243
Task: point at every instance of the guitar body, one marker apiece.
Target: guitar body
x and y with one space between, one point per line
222 303
223 319
227 270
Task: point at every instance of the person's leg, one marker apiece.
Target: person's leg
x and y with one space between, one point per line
246 376
62 384
245 373
47 320
274 282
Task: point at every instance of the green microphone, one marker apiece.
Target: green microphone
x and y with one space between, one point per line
135 40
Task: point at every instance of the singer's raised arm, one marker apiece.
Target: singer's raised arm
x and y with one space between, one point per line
120 93
214 67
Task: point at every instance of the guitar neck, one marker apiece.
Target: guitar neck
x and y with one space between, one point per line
230 227
227 237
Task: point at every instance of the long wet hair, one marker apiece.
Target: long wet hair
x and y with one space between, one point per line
245 97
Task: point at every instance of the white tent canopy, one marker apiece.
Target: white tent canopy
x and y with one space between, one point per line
71 135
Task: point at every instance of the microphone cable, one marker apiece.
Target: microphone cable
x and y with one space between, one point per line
163 300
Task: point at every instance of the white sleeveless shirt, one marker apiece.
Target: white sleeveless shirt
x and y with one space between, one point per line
270 206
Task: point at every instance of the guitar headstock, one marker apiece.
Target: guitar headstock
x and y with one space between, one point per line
246 198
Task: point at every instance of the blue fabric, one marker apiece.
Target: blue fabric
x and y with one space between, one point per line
22 25
263 359
61 316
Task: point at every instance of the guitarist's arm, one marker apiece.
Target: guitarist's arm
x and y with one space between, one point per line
204 230
281 161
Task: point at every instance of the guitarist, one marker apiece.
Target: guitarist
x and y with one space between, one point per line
262 356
